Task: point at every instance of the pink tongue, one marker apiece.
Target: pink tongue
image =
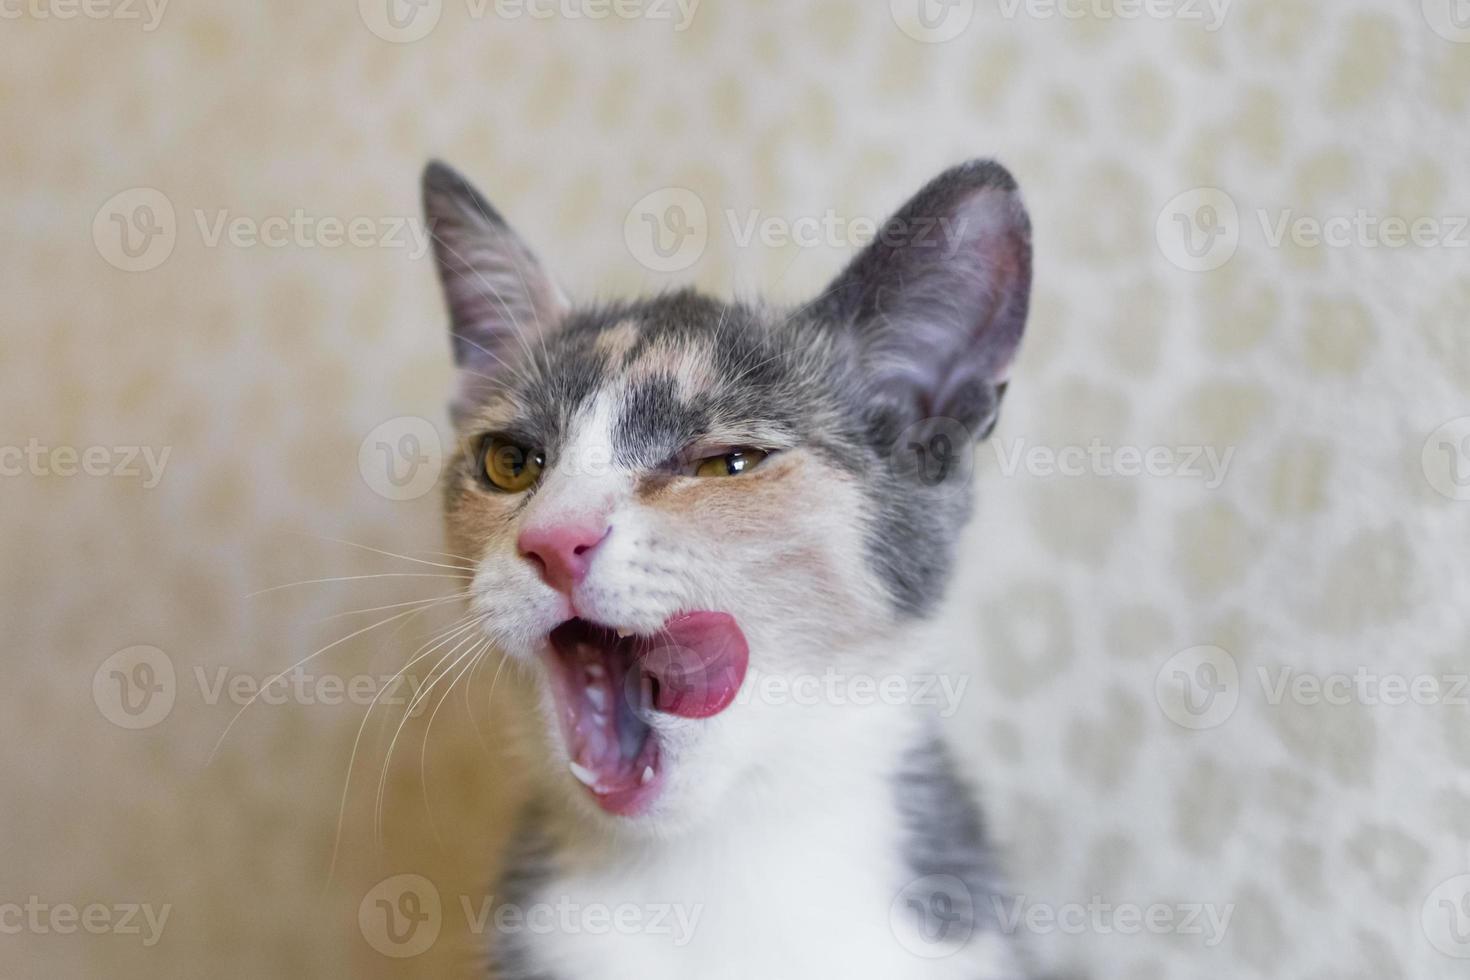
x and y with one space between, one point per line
700 661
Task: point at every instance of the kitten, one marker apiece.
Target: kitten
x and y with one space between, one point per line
680 507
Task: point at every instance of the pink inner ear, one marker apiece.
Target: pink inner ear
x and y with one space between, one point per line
499 296
952 324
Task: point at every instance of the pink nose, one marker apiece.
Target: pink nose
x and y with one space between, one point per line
562 552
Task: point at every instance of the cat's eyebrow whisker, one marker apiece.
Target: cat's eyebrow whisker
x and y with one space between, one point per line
355 578
391 554
466 622
303 662
780 352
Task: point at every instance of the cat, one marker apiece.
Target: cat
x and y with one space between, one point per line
677 504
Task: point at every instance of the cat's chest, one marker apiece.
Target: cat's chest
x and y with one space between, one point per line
799 903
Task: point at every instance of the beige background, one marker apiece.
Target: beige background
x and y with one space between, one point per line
262 370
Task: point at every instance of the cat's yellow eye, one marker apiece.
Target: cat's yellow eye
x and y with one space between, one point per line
732 463
511 467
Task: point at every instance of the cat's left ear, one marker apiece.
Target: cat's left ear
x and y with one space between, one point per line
937 301
499 296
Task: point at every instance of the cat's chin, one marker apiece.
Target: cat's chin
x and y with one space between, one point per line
610 686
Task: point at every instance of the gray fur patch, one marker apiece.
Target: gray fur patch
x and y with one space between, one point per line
946 836
527 868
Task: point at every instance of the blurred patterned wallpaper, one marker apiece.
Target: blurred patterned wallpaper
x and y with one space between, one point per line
1214 612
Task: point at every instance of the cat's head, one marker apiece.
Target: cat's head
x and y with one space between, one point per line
668 497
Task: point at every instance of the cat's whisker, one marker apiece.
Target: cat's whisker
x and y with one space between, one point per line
392 554
398 605
490 698
455 638
472 562
356 578
443 636
303 662
469 706
435 675
474 654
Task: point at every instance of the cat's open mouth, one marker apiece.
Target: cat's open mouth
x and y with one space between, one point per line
610 684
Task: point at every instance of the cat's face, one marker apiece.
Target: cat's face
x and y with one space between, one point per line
668 499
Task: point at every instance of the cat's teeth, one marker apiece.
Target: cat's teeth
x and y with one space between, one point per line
598 697
624 634
584 775
646 777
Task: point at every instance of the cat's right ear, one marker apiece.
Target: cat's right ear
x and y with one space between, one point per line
937 302
498 295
